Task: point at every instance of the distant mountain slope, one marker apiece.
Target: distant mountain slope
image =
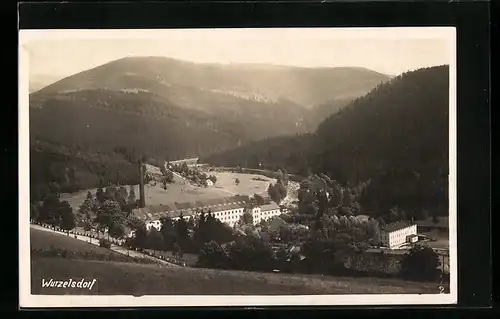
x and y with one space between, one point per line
35 85
397 136
174 109
303 86
39 81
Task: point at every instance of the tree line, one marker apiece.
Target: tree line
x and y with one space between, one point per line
66 169
194 174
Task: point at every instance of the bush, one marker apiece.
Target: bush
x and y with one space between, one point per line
104 243
420 263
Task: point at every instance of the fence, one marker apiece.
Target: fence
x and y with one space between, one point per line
99 235
172 260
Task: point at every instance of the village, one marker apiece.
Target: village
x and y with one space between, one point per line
244 206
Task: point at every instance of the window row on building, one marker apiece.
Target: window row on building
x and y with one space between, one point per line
230 215
398 234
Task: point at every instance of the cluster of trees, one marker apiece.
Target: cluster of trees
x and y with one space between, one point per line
245 253
323 202
167 176
324 256
54 212
319 195
194 174
182 235
108 210
278 191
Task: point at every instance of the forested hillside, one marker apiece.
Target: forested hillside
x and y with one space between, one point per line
291 152
69 169
396 136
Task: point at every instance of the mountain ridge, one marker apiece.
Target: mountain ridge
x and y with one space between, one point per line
294 83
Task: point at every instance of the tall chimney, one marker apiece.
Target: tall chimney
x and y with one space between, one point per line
142 199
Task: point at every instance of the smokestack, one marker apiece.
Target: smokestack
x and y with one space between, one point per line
142 199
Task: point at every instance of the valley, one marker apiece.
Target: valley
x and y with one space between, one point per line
300 172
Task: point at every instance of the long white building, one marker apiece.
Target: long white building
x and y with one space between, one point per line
229 211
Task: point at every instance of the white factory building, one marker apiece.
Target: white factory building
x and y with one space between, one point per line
228 211
398 234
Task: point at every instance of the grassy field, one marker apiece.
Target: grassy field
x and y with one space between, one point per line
136 279
181 192
40 239
249 184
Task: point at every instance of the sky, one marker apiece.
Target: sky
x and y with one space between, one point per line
60 53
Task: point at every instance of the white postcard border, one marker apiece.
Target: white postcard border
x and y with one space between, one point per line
28 300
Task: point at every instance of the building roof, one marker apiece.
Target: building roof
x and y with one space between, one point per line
396 226
227 207
270 206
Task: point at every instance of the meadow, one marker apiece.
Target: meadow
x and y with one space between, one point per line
250 184
139 279
181 192
40 239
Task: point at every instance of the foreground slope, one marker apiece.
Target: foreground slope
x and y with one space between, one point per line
148 279
138 279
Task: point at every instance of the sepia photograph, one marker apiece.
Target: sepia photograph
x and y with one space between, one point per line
237 167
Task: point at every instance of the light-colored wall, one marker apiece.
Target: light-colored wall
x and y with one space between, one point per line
154 223
397 237
230 216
